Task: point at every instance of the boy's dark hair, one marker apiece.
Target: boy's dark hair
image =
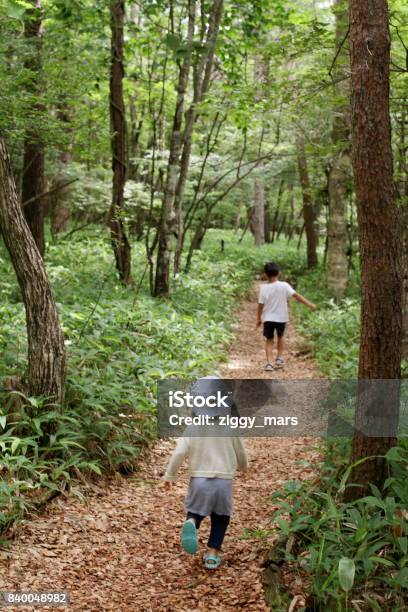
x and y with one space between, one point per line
271 269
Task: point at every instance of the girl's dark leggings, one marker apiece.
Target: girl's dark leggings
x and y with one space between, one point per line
219 524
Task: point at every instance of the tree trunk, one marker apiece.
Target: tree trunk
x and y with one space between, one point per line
134 149
309 216
33 160
281 226
202 74
403 197
379 237
259 212
275 220
167 226
267 218
59 207
196 242
46 351
404 266
340 173
292 220
261 73
119 240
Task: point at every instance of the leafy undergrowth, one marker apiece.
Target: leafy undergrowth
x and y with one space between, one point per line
350 556
120 342
332 332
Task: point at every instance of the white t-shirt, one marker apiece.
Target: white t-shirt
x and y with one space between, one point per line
274 296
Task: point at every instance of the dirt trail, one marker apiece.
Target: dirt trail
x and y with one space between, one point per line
119 549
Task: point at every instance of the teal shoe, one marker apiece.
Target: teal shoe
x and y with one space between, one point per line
189 541
212 561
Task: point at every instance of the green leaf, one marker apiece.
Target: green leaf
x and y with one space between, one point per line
33 401
393 454
15 9
14 445
382 561
173 42
403 543
95 468
283 525
402 577
347 570
3 421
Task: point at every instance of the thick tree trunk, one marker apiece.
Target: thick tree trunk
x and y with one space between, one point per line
168 220
340 173
379 237
33 183
404 266
403 196
46 351
309 216
120 243
259 212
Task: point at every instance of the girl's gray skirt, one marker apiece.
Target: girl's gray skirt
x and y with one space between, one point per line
206 495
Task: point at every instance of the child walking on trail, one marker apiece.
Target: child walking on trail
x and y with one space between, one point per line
273 312
212 461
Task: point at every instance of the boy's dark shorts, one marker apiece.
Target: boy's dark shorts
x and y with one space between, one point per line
269 329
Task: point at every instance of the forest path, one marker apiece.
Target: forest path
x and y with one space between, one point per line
119 550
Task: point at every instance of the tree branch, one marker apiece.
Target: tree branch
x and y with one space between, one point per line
49 192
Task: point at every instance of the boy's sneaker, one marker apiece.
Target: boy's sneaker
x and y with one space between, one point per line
268 367
279 363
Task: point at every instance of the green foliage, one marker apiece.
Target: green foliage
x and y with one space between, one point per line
332 332
119 344
357 550
14 9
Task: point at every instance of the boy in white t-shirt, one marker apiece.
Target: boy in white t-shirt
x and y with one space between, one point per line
273 312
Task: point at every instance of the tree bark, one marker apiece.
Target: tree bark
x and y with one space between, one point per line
196 242
267 218
46 351
404 267
292 220
134 149
403 197
309 215
259 211
59 208
276 215
379 237
33 159
168 221
340 172
119 240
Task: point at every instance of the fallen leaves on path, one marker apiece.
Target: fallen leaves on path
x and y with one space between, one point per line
120 549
